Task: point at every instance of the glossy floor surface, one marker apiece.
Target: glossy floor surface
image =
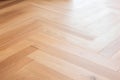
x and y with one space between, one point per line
60 40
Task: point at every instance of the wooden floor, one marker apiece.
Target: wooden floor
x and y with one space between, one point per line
60 40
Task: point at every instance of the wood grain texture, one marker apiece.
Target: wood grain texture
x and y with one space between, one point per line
7 3
59 40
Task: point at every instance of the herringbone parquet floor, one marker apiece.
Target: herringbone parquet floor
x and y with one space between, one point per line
60 40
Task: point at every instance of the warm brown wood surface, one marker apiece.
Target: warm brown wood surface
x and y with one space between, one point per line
60 40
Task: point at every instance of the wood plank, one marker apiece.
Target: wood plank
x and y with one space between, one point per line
10 65
5 3
36 71
16 34
61 66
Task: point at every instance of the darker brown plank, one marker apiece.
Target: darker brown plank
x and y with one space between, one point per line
7 3
15 62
